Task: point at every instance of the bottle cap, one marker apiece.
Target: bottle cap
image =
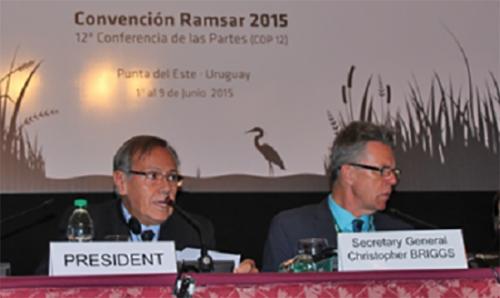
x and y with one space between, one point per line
81 203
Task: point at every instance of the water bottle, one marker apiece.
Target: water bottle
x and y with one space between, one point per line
80 226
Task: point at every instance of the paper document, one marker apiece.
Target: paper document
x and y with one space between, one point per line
192 254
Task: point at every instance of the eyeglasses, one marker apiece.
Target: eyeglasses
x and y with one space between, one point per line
157 177
384 171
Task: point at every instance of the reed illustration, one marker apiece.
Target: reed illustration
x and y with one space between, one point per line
22 159
449 141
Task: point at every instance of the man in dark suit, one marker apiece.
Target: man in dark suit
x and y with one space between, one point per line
363 173
145 174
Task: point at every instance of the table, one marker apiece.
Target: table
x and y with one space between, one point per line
423 283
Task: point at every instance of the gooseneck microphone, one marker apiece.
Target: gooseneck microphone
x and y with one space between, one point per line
27 211
205 262
417 223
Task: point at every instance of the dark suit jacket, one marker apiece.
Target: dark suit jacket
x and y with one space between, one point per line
313 221
108 219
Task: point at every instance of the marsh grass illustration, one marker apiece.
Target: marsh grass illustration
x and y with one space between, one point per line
449 141
21 157
444 119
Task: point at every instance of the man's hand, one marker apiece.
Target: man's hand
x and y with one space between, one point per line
247 266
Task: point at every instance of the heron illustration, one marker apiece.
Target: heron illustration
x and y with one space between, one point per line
267 151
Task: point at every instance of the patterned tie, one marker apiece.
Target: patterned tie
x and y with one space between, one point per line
147 235
357 225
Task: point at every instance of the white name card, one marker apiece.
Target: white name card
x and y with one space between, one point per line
429 249
101 258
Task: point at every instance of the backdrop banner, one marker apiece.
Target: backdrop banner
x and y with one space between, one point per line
250 93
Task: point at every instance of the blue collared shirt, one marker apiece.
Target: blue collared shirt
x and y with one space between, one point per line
344 218
137 238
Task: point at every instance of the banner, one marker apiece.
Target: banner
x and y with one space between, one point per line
250 93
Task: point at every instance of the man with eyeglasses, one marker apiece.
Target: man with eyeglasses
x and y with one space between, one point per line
145 175
363 174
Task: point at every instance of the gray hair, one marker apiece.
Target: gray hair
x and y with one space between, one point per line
350 143
122 161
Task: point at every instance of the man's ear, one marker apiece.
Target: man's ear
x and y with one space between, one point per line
347 174
120 179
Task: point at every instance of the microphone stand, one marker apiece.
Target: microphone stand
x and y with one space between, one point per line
27 211
205 262
411 220
6 232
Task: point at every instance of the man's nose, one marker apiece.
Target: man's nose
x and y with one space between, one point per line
165 185
393 179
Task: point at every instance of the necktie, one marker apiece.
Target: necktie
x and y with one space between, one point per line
147 235
357 225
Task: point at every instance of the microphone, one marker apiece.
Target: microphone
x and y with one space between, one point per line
409 219
134 225
28 211
205 262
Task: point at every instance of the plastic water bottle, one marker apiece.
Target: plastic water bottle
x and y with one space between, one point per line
80 226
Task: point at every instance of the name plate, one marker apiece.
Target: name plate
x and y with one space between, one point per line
102 258
429 249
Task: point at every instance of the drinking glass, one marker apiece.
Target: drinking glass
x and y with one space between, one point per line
312 246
